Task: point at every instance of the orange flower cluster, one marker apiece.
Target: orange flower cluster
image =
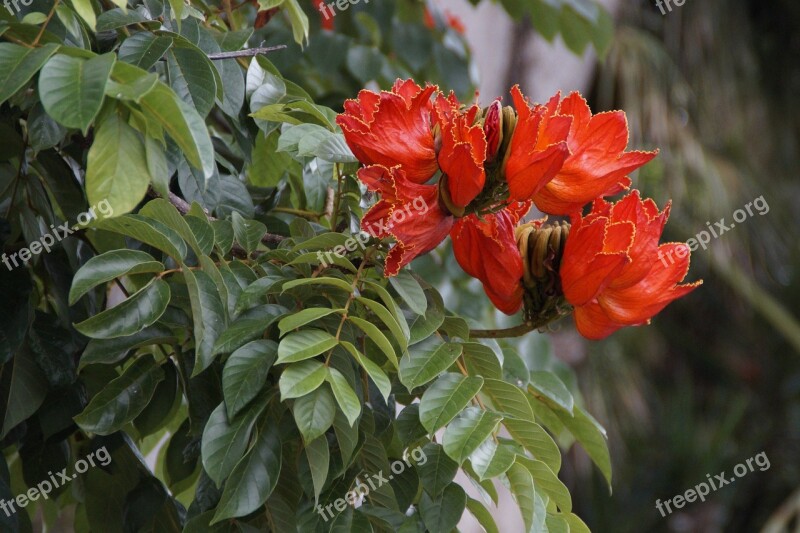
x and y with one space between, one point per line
480 170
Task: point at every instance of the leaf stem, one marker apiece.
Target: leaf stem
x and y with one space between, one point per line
516 331
46 22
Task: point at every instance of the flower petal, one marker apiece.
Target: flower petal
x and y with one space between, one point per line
463 150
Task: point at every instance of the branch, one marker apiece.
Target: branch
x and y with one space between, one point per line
516 331
250 52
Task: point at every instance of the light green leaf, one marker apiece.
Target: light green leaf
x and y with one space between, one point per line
536 440
344 394
298 20
72 89
248 232
378 376
547 482
304 344
300 379
482 515
166 213
426 360
507 399
468 431
18 64
492 459
144 49
192 77
409 290
131 316
314 413
86 11
301 318
446 398
117 170
119 402
377 337
105 267
592 437
481 360
550 386
400 335
333 282
530 503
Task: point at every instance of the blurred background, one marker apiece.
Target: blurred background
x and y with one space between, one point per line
715 379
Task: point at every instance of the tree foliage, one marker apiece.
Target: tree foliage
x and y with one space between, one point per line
187 314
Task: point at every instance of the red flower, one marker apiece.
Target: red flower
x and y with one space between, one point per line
613 271
463 150
325 18
598 164
407 211
538 147
393 128
487 249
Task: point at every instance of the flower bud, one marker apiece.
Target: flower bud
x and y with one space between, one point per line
541 247
493 128
445 201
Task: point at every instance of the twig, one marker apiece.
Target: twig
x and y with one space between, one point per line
46 22
516 331
250 52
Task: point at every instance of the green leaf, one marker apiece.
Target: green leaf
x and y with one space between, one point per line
492 459
117 171
447 397
592 437
549 385
130 83
27 389
548 483
225 441
314 413
247 328
332 282
72 89
530 503
344 394
437 470
536 440
184 124
112 351
248 232
18 64
254 477
144 49
301 378
468 431
192 77
131 316
507 399
393 308
425 361
245 374
110 265
86 11
304 344
400 335
318 455
122 399
409 290
481 360
298 20
208 316
377 375
443 514
482 515
148 231
166 213
301 318
576 525
426 325
377 337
